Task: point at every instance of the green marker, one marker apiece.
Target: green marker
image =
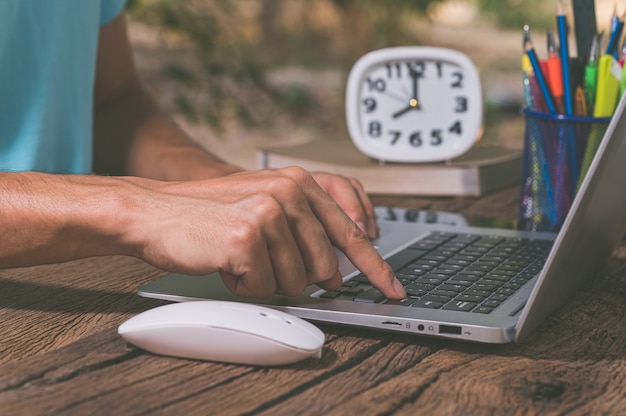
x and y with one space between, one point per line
591 72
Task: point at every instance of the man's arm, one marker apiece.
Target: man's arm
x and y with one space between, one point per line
132 135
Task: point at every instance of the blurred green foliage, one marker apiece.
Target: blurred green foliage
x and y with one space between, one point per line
238 41
517 13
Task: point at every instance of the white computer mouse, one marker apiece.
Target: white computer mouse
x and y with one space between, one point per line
224 331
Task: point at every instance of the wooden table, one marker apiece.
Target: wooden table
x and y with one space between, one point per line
60 353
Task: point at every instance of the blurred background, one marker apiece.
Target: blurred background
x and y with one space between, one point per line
239 74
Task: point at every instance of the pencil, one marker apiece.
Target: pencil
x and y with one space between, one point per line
539 76
567 86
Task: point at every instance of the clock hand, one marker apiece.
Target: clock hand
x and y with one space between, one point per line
415 102
414 74
413 105
404 110
395 97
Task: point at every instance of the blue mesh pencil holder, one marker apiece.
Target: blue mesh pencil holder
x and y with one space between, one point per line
557 152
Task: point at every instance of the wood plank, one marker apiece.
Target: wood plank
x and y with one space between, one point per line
102 372
47 307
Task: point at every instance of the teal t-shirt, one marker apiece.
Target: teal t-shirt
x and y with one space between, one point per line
47 70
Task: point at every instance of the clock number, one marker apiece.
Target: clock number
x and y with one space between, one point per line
370 104
439 69
416 69
458 80
375 129
376 85
456 128
393 67
461 105
396 136
415 139
436 137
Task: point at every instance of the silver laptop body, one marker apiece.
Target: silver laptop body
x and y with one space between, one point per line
595 224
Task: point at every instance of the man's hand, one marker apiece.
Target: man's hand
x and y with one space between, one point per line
265 232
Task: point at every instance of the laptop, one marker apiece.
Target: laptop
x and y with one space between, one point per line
491 302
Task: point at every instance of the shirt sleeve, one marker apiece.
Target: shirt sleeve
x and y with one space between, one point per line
110 9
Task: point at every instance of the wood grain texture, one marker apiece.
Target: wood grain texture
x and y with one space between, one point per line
60 353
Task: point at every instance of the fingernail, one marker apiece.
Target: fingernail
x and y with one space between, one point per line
362 226
398 288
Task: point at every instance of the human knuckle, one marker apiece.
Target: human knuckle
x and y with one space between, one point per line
281 185
266 209
324 270
355 183
294 289
297 173
264 291
338 182
254 286
243 234
353 237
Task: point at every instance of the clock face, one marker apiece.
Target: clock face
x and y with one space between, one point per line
414 104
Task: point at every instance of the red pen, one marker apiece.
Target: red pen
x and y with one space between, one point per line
554 74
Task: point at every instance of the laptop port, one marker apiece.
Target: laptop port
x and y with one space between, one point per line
450 329
391 323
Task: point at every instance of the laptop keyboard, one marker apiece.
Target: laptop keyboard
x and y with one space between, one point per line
458 272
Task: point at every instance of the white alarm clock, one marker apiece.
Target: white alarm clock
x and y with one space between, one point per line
414 104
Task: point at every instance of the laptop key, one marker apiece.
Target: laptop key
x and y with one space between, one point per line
460 305
429 280
401 302
460 281
410 273
452 287
505 291
436 298
360 278
351 291
417 289
478 292
500 298
444 293
483 309
419 265
491 303
372 295
401 259
484 286
332 294
448 270
430 304
425 245
437 257
470 298
435 276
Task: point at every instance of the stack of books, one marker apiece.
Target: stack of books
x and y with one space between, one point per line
481 170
